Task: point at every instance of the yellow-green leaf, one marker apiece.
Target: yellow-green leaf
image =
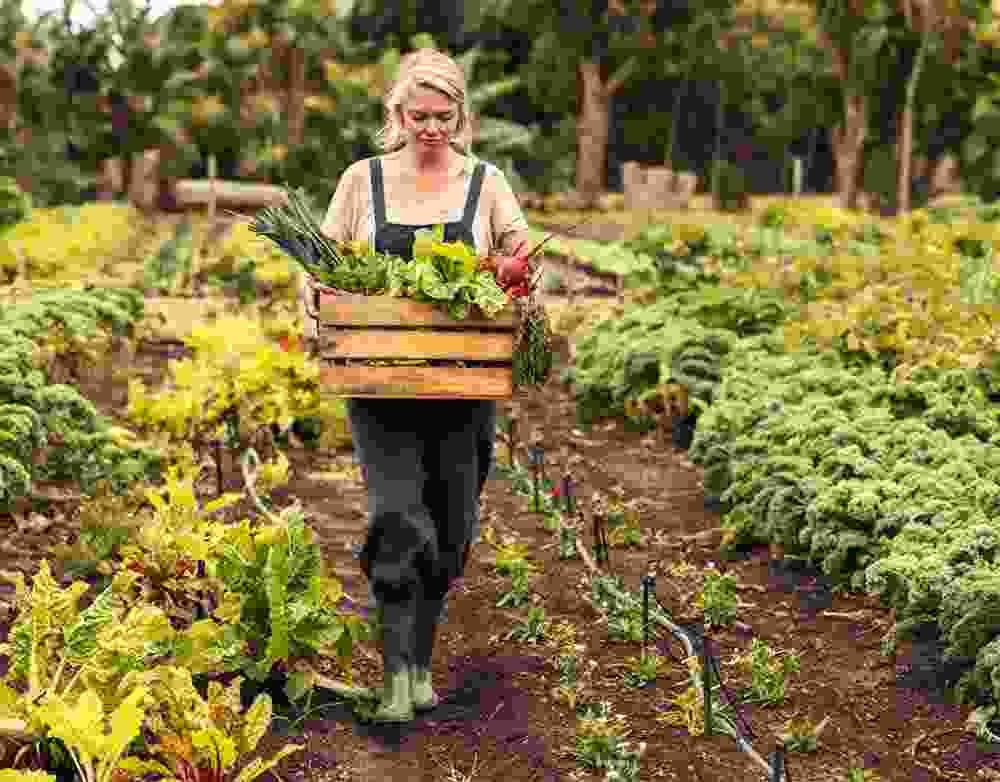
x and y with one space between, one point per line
258 766
227 499
138 767
211 739
80 727
256 722
125 724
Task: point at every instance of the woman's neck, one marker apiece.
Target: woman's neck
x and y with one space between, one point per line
429 161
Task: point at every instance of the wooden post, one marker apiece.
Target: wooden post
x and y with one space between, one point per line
199 249
797 176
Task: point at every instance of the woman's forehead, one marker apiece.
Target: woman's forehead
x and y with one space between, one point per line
428 99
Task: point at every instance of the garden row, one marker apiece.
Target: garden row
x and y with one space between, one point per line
842 386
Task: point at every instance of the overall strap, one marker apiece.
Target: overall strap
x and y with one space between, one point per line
472 200
378 193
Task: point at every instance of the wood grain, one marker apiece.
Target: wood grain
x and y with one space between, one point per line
378 343
418 382
356 309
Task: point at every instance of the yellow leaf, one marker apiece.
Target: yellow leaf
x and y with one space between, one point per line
256 722
81 727
258 767
126 722
225 501
211 739
269 535
137 767
229 609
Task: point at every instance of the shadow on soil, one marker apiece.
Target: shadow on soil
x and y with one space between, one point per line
481 699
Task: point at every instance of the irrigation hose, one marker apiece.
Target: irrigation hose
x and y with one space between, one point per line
659 617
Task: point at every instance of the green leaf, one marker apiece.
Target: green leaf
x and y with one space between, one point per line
298 685
276 581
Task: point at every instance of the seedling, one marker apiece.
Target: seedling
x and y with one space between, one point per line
641 671
533 629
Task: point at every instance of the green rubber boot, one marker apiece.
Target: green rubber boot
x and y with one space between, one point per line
396 704
421 691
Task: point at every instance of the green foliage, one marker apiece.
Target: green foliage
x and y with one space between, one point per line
732 191
15 204
171 261
718 599
533 629
287 603
769 673
54 421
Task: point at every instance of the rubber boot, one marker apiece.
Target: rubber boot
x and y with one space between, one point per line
396 704
428 617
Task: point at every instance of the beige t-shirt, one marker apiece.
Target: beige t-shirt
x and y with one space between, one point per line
351 213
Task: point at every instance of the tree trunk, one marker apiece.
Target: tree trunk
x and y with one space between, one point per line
847 138
8 96
904 159
591 131
848 149
296 111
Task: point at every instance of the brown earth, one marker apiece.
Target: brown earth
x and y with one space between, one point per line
499 720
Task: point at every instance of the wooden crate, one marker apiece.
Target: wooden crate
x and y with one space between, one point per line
352 328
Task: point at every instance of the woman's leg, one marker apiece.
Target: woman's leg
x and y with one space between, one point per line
400 550
457 460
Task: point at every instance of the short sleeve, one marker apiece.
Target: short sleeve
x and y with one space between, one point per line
506 215
342 211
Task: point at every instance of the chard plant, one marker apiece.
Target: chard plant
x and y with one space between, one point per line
510 560
718 599
863 775
96 740
574 679
601 743
202 739
520 586
287 601
769 672
625 624
643 670
687 710
567 542
533 629
802 735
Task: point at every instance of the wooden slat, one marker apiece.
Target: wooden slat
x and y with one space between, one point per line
356 309
416 344
418 382
198 192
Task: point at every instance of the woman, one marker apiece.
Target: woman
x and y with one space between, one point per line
425 461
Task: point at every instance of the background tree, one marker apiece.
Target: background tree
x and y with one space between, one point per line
583 55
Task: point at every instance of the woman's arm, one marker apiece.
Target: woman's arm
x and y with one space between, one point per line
338 224
507 220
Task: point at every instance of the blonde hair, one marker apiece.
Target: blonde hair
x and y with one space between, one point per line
425 67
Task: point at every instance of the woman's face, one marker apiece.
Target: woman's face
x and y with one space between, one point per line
430 117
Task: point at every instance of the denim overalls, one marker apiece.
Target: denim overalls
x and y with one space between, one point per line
425 462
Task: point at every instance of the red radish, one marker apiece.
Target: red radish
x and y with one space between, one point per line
515 268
